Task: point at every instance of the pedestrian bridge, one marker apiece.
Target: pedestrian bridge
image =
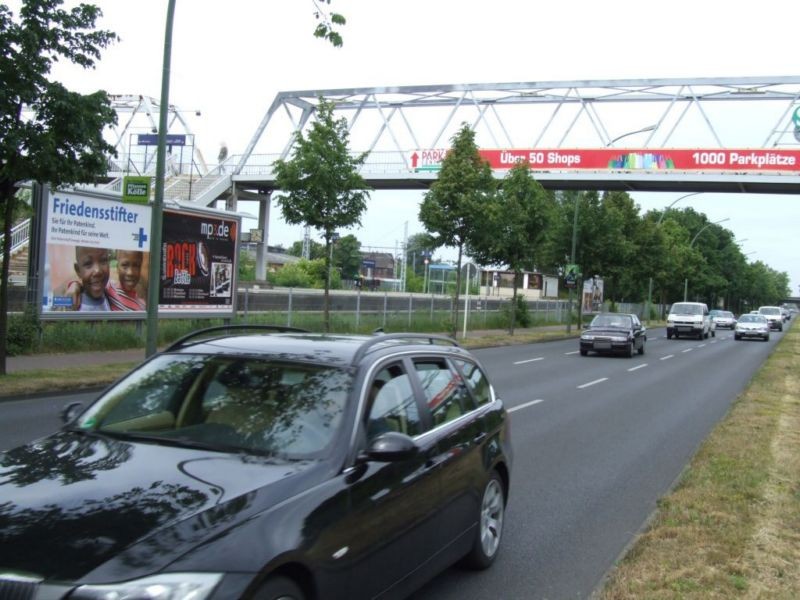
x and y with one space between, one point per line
633 135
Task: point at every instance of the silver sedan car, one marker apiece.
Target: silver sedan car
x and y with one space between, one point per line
752 326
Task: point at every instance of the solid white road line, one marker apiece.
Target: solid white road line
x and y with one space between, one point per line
596 381
526 405
637 367
530 360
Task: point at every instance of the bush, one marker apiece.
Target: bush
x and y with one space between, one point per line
24 332
522 318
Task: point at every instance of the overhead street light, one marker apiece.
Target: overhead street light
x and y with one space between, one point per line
642 130
694 239
658 224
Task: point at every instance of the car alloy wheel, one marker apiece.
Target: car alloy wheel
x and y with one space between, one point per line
279 588
490 525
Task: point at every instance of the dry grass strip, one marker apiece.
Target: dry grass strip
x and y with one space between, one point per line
731 526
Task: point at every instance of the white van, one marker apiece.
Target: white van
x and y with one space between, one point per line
691 319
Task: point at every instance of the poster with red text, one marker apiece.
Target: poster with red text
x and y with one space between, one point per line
198 262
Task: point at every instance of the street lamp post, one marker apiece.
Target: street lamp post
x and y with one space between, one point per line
572 262
624 135
658 224
154 277
694 239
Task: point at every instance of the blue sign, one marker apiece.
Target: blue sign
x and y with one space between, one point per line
172 139
368 264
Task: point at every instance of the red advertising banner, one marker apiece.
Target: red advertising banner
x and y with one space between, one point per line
616 159
627 159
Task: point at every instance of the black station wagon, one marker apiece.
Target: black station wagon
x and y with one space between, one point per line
248 464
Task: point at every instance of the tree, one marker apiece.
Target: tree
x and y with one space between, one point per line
47 133
315 249
515 227
419 247
454 208
322 186
347 256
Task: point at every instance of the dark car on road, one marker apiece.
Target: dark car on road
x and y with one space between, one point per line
619 333
263 464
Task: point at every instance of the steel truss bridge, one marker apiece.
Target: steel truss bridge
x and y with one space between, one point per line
396 125
392 123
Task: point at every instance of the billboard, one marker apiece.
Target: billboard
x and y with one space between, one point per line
198 262
96 257
592 301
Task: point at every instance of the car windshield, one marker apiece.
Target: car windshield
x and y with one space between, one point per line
686 309
752 319
231 403
611 321
769 311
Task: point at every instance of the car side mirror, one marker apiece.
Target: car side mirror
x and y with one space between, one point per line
71 411
391 446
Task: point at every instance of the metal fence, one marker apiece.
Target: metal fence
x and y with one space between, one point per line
365 309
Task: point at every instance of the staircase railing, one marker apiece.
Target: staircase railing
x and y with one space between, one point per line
20 235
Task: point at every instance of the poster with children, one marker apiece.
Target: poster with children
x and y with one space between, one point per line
96 255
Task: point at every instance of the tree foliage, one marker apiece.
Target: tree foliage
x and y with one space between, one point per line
515 226
48 134
327 23
452 210
347 256
321 185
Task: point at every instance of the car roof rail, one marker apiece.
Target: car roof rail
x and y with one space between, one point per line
382 338
179 343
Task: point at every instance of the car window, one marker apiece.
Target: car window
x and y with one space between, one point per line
136 397
292 410
686 309
444 390
390 403
476 380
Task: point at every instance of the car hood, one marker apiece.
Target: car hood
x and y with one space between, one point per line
79 506
608 331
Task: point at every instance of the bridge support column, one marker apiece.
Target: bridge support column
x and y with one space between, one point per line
263 246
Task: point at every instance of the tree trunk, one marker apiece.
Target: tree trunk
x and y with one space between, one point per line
458 290
326 302
6 193
513 305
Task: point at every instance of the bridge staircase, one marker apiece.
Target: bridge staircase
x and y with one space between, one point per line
18 265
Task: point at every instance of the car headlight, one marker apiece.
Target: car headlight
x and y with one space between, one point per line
170 586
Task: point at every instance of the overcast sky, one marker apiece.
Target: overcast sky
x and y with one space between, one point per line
230 58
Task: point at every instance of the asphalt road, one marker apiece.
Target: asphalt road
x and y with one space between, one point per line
597 441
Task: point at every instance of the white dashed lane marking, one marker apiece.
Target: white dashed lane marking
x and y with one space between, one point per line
530 360
595 382
637 367
526 405
668 356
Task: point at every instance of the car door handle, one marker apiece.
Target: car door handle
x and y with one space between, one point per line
479 438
